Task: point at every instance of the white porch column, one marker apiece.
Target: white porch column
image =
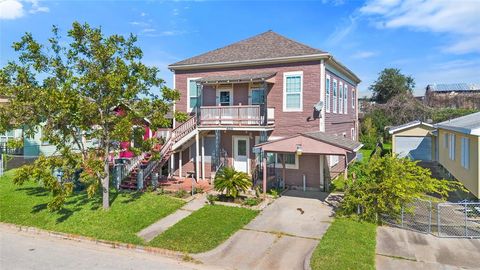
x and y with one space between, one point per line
203 158
197 157
264 175
172 164
322 94
180 164
322 176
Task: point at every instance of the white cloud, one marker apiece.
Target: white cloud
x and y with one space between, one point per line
14 9
175 12
36 7
364 54
458 19
149 30
143 14
10 9
342 32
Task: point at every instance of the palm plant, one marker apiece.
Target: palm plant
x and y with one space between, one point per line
231 182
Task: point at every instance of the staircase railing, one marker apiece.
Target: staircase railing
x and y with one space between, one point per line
179 132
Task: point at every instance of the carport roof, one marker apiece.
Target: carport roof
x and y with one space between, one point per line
468 124
312 143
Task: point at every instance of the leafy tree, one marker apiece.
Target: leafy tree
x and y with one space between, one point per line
368 133
231 182
390 83
72 90
440 115
385 184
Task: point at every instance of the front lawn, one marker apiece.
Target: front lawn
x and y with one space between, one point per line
204 229
348 244
129 213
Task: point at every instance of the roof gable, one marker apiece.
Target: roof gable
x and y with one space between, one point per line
263 46
409 125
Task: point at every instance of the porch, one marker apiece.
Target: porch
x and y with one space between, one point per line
308 161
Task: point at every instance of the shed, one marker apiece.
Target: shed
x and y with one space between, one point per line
414 140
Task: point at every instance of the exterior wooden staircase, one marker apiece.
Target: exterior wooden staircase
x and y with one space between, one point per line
143 174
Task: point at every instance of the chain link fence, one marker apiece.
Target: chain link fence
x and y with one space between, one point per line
459 220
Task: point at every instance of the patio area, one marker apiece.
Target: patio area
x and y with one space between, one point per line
174 184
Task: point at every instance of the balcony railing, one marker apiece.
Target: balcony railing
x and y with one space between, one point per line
250 115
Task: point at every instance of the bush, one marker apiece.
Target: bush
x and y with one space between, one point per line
339 183
180 193
212 199
251 201
385 184
231 182
368 134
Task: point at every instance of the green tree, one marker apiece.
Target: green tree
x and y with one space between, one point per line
71 89
385 184
231 182
368 133
390 83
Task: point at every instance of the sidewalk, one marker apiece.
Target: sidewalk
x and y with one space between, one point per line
163 224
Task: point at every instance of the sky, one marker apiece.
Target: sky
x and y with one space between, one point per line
434 41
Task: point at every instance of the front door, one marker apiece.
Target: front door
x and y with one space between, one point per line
240 153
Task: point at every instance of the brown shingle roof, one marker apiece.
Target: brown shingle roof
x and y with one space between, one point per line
334 140
263 46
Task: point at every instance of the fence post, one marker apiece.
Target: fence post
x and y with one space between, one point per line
466 218
438 219
430 209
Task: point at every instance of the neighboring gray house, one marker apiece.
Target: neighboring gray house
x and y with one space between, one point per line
454 95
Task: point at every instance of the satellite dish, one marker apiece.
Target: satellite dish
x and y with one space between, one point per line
318 107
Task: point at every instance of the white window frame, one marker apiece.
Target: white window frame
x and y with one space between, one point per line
345 98
340 97
287 166
335 95
334 159
352 134
451 146
328 93
224 88
465 152
285 75
188 93
353 98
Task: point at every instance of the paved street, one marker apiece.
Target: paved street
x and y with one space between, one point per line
281 237
19 250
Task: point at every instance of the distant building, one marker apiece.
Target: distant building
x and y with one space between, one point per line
455 95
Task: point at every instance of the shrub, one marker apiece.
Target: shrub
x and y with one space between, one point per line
231 182
274 192
251 201
385 184
212 199
180 193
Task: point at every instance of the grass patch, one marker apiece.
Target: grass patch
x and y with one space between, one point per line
129 213
348 244
204 229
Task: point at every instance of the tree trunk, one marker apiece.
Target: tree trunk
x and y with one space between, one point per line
106 180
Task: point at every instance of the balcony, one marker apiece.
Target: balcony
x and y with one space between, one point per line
236 116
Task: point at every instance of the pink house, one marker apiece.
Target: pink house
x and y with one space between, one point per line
272 107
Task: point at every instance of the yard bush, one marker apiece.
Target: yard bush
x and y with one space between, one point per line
385 184
231 182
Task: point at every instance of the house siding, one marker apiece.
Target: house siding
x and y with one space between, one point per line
286 123
469 177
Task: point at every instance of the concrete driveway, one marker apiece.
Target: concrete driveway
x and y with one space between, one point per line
281 237
403 249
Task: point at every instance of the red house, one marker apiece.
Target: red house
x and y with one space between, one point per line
269 106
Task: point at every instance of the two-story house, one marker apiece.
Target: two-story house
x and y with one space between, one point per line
254 96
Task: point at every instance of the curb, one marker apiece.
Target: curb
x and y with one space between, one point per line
91 240
306 262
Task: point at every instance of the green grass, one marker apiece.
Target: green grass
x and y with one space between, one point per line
348 244
129 212
204 229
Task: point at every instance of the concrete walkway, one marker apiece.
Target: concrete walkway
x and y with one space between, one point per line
163 224
403 249
281 237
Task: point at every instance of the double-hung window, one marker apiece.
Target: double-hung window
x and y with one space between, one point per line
445 140
327 94
451 146
353 98
291 161
193 95
465 157
345 99
335 96
292 91
340 97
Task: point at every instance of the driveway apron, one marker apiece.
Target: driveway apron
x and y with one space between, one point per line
281 237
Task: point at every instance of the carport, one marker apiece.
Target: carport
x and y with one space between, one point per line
311 149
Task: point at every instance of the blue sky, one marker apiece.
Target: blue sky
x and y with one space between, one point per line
435 41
